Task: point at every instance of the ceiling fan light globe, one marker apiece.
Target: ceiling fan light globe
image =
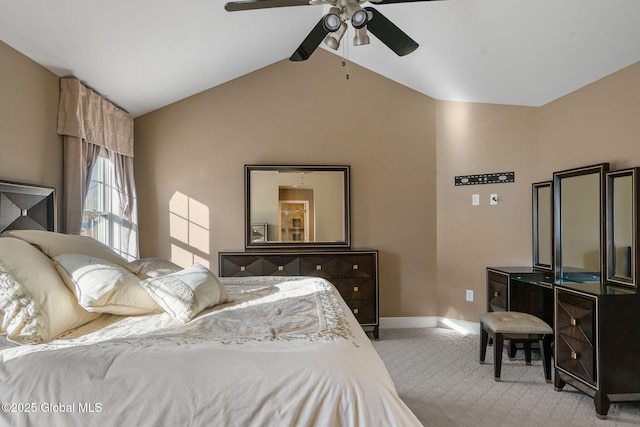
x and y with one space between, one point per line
332 42
359 19
333 39
360 40
331 22
361 37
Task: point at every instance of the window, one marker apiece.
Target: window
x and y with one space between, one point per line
97 217
101 218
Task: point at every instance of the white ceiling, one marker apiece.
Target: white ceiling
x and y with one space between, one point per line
145 54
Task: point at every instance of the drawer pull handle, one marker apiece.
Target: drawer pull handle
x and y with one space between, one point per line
355 266
574 321
356 289
243 268
355 311
574 355
318 267
496 294
280 268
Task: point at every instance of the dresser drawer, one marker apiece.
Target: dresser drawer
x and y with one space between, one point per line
356 289
281 265
272 265
576 335
357 267
364 310
319 266
497 288
239 266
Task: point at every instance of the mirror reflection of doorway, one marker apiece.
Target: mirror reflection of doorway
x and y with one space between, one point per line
293 221
296 214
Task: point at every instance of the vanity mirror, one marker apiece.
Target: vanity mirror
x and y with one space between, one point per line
543 225
579 230
621 220
296 206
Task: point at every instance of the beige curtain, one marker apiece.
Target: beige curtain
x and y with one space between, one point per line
85 114
79 159
89 122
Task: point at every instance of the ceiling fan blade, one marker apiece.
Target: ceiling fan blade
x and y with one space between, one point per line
397 1
389 34
310 43
234 6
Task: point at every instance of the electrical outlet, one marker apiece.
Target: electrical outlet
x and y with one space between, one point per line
469 295
475 199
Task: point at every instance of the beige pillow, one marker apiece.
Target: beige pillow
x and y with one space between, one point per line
186 293
103 287
146 268
35 304
55 244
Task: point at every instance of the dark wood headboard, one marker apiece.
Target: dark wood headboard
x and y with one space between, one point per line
27 207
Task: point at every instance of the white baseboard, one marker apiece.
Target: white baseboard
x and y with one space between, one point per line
408 322
462 326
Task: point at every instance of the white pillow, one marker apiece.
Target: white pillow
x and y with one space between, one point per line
35 304
103 287
186 293
146 268
55 244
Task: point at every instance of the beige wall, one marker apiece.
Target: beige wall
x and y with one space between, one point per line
189 159
297 113
393 139
598 123
31 151
475 139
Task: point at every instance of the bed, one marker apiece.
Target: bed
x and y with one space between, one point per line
258 351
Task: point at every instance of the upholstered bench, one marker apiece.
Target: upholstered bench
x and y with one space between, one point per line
513 325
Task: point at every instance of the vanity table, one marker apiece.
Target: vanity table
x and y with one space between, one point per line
584 280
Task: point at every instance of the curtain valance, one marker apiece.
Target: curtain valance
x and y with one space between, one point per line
85 114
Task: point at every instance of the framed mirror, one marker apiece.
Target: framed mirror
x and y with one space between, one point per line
543 225
621 220
297 206
579 227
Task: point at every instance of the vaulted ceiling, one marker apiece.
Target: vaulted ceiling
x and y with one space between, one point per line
145 54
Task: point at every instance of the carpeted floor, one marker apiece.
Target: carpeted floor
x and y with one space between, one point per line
437 374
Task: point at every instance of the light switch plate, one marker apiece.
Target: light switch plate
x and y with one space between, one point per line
475 199
493 199
469 295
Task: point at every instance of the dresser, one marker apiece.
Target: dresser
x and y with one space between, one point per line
596 342
353 272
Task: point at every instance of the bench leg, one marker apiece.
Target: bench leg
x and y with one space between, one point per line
512 349
497 355
484 339
527 352
545 349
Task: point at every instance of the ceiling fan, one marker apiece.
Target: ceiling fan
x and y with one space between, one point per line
333 25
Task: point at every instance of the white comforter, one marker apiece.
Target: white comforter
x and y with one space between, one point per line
286 352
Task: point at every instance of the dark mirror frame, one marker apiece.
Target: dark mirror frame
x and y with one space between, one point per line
249 244
611 266
558 177
536 224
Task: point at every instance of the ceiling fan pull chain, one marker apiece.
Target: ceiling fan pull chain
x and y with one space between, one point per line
345 56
